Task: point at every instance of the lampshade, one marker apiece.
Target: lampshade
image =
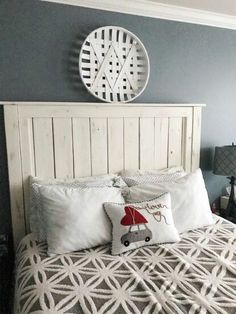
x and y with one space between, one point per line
225 160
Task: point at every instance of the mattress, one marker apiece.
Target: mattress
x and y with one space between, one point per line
196 275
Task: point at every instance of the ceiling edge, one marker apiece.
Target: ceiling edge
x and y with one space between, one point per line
157 10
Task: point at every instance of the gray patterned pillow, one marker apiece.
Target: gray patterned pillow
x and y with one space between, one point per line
152 178
140 172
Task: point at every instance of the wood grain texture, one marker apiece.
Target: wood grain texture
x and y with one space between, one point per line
15 173
131 143
115 145
55 140
161 143
147 143
63 151
27 161
175 147
82 147
43 147
196 138
99 146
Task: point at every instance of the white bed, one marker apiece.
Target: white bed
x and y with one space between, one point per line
65 140
194 276
59 140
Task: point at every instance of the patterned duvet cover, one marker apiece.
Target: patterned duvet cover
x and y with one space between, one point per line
195 276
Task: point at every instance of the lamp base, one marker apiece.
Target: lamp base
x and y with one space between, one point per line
230 212
230 217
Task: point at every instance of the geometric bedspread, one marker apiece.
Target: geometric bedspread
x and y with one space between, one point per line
196 275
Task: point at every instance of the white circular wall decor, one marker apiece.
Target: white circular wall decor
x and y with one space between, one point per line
114 64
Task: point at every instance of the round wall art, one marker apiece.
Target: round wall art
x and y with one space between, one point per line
114 64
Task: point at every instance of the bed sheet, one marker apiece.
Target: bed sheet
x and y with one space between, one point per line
196 275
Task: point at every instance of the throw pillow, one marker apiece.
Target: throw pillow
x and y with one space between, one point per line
141 223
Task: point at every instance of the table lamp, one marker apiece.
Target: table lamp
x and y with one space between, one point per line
225 165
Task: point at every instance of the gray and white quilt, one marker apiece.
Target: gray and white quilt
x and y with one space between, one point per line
195 276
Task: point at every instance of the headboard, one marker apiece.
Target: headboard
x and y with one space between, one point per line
83 139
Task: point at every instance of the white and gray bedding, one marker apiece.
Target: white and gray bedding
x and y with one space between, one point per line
195 275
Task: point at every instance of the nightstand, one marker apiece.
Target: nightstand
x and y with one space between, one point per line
6 274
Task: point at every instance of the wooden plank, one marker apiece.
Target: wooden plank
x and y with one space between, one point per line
28 163
131 143
15 173
196 140
99 146
95 111
76 104
147 148
43 144
187 143
81 143
175 142
115 145
63 155
161 143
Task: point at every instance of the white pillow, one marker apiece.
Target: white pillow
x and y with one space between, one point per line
36 225
189 198
74 218
141 223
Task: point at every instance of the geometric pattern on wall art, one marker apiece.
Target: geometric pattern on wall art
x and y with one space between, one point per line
196 275
114 64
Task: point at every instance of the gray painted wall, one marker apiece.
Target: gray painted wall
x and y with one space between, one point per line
189 63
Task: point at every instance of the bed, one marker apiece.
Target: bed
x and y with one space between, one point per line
59 140
196 275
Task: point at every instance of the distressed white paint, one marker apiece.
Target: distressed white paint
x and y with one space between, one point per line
64 167
147 143
43 147
82 146
56 140
115 144
175 147
15 173
131 143
161 142
99 156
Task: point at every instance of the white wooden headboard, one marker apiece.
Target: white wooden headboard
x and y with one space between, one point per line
83 139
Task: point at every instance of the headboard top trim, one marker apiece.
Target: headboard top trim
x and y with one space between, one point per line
53 103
